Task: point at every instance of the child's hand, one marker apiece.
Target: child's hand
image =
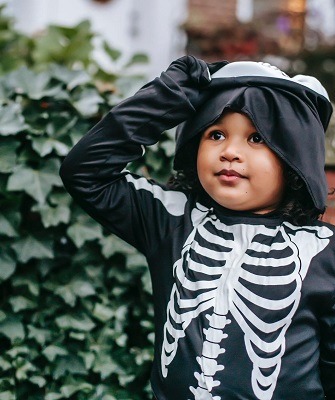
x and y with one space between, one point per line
192 75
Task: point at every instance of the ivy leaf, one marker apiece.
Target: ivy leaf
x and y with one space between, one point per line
136 261
105 366
53 216
102 312
87 102
23 368
146 281
114 54
121 340
15 351
7 395
28 280
77 336
125 378
138 58
19 303
40 335
84 230
71 78
77 132
30 247
36 183
75 288
9 224
7 265
65 45
88 358
38 380
52 351
112 244
121 313
169 147
45 145
82 288
34 85
12 328
4 364
69 390
8 157
61 198
82 323
11 120
142 356
61 126
69 364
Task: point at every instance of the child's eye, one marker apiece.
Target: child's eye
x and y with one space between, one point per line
217 135
256 138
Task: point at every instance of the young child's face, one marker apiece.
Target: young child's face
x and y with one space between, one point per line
237 169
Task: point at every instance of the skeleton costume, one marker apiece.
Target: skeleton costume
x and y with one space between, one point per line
244 303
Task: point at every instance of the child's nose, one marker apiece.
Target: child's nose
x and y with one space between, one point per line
230 152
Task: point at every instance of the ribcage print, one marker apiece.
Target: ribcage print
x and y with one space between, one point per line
252 271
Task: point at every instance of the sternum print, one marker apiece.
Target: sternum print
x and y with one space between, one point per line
213 345
210 352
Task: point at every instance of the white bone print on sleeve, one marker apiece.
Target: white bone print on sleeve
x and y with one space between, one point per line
231 270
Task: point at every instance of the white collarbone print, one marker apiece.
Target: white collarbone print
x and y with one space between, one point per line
241 264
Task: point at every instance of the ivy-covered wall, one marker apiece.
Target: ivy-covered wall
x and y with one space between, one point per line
76 318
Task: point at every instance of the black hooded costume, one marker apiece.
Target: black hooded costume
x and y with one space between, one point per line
244 303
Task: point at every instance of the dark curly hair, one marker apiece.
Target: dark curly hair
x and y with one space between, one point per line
297 206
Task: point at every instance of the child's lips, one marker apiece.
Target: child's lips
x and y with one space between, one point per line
229 175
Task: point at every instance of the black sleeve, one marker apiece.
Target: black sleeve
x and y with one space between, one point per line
327 359
137 210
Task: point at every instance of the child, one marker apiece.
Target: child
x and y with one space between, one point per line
243 272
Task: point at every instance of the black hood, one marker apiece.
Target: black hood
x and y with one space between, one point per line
291 117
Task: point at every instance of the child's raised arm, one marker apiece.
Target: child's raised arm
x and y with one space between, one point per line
137 210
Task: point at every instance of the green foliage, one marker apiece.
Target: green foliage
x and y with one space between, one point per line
76 318
67 46
14 47
64 44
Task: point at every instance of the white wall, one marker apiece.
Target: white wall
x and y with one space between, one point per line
159 32
321 17
150 26
244 10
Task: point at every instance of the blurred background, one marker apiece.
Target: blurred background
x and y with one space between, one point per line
296 35
76 314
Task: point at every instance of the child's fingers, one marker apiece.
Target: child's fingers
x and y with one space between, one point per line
198 71
189 71
192 71
193 76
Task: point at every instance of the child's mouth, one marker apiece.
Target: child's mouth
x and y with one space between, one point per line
229 175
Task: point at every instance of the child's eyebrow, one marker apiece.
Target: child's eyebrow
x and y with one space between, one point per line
215 126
